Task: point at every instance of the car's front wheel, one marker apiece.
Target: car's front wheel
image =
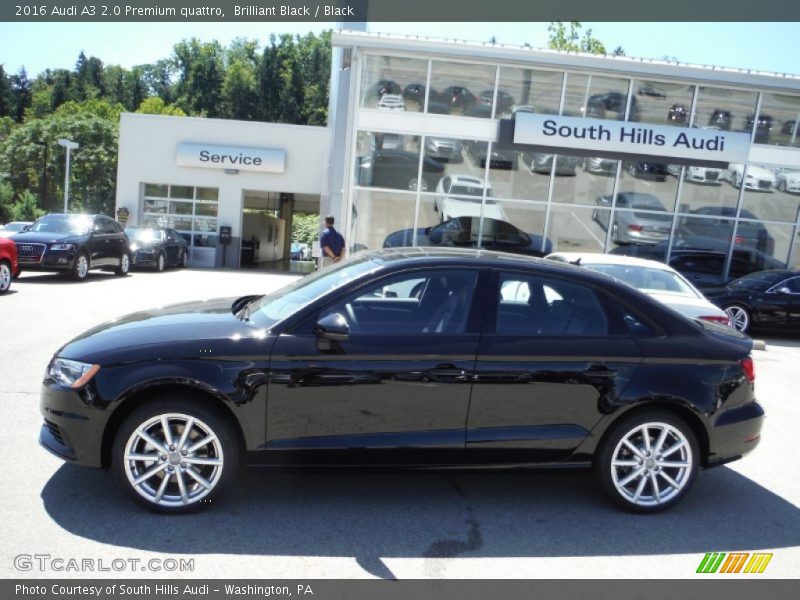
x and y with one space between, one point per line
160 262
80 268
739 317
5 277
648 461
184 262
175 456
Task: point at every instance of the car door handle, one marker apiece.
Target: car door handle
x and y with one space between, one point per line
599 370
448 372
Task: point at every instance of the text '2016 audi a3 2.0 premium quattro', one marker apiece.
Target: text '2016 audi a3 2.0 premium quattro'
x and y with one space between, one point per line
412 358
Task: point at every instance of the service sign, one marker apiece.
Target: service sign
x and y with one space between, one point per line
266 160
685 143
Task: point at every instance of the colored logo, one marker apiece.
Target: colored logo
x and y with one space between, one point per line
734 562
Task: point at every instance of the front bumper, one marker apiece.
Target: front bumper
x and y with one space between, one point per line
735 432
72 429
50 261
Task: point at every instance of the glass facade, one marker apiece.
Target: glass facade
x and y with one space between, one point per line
422 188
192 211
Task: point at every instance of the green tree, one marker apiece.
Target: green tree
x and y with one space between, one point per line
6 201
156 106
568 38
6 96
21 89
26 208
239 97
305 228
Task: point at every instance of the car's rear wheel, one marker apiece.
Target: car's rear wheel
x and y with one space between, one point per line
175 455
184 262
80 268
739 316
124 265
648 461
5 277
160 262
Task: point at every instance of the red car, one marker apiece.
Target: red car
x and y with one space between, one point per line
9 267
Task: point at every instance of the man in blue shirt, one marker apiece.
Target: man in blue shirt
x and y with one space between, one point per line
331 242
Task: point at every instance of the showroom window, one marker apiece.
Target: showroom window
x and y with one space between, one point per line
724 109
190 210
462 89
599 97
528 90
779 120
663 103
393 83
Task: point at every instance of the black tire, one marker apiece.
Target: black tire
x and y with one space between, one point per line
5 276
782 186
161 262
612 478
124 265
226 448
80 267
184 261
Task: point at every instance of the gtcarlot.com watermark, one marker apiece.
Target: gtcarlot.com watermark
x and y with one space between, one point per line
59 564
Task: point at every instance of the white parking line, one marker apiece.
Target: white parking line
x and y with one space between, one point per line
602 243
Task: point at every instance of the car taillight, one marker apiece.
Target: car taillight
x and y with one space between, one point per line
738 239
722 320
749 368
635 227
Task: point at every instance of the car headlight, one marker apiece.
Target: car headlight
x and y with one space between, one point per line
71 373
62 247
134 247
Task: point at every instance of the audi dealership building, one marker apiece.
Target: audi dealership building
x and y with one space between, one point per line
436 141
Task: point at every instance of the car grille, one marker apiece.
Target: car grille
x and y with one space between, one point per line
55 431
764 184
712 175
30 253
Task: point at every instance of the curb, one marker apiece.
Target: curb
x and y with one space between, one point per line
759 345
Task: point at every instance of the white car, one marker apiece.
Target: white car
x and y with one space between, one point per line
788 180
13 227
392 102
655 279
703 175
460 196
755 178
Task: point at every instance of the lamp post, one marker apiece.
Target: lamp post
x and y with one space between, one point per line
69 145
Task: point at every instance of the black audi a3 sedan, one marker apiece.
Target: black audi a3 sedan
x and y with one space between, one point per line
410 357
74 244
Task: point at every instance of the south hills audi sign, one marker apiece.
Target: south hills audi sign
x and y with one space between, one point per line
684 144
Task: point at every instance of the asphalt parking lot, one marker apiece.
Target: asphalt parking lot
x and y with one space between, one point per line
376 524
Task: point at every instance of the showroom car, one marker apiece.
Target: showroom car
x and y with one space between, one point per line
157 247
74 244
653 278
9 265
751 233
543 163
643 169
444 149
410 358
463 232
756 178
787 180
600 166
460 196
762 300
642 224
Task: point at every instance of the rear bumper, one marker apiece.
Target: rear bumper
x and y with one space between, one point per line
735 433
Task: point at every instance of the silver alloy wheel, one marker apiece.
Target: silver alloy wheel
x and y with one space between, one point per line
83 266
651 464
740 319
173 460
184 259
124 264
5 277
160 263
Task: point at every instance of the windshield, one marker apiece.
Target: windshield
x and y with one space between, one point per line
77 224
269 309
13 226
647 279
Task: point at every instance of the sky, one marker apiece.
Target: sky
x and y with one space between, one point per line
773 47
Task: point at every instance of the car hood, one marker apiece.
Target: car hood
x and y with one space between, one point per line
46 237
191 330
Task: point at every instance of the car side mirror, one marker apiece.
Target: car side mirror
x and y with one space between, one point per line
784 290
332 327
